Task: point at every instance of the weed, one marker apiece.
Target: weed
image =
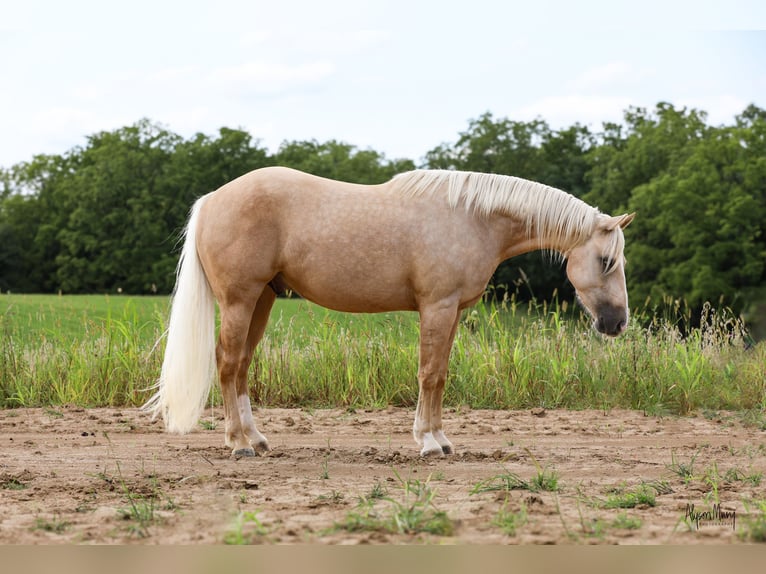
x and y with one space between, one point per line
754 418
54 525
659 486
247 529
507 521
325 474
208 424
414 513
753 478
594 527
334 497
377 491
683 470
543 480
624 522
630 498
547 480
754 522
591 527
141 512
505 482
11 483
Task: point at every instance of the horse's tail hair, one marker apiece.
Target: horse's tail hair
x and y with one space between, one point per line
188 369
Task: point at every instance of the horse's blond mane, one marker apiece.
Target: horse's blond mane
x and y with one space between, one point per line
554 216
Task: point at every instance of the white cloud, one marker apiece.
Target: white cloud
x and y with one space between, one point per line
720 109
262 77
566 110
61 120
324 41
611 75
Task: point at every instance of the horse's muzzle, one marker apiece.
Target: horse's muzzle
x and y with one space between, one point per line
611 321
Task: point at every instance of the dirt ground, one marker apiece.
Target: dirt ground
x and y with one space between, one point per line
106 476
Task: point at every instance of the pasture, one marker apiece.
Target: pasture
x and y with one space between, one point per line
101 351
561 435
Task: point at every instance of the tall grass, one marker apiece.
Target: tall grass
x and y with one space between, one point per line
506 355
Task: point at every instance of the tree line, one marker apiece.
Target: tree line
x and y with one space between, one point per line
106 215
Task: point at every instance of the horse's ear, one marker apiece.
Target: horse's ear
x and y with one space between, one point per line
626 219
618 220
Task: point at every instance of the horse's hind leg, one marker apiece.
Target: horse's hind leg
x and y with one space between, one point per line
438 325
257 328
233 357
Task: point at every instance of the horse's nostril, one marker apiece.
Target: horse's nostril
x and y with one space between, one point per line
620 326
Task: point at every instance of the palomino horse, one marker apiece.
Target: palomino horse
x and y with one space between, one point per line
426 241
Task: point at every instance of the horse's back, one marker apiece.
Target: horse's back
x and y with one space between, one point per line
346 246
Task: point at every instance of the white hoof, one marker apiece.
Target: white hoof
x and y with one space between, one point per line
430 446
444 442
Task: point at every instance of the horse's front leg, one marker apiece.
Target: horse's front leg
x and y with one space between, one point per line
438 324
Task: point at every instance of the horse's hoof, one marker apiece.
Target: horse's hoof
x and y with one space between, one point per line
261 447
432 452
243 452
447 449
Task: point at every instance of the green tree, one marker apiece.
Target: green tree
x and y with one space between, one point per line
699 195
340 161
112 235
533 151
32 211
631 155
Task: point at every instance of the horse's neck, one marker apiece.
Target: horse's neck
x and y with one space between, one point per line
515 237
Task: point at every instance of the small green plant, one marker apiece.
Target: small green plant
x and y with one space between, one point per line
754 418
509 522
683 470
753 478
591 527
713 479
141 510
414 513
11 483
624 522
377 491
364 518
335 497
545 480
660 486
325 474
54 525
208 424
630 498
247 529
754 522
140 513
504 482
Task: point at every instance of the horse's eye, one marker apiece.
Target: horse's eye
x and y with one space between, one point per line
606 264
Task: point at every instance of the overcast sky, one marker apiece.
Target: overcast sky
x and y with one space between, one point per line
398 76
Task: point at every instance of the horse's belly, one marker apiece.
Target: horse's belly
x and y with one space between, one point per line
352 294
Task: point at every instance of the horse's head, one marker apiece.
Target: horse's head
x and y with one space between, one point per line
596 268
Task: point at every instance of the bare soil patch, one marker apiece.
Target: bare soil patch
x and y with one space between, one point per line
73 475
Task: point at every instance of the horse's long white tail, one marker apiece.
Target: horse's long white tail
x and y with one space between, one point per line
188 369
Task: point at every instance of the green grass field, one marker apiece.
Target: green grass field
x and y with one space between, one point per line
101 350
